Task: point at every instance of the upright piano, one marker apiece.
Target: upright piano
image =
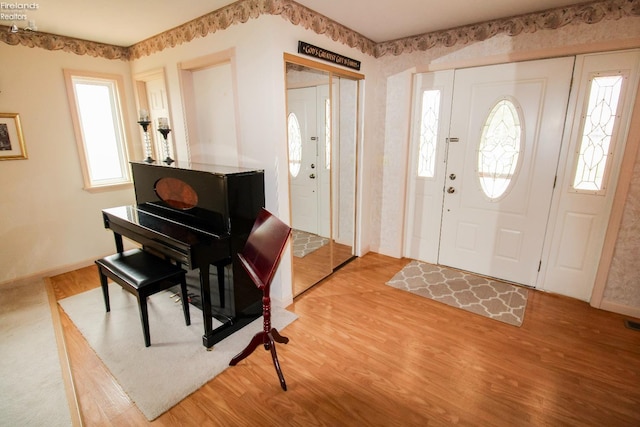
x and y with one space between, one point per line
198 215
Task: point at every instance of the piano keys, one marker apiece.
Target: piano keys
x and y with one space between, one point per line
198 215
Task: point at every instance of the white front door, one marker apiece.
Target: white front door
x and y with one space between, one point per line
506 130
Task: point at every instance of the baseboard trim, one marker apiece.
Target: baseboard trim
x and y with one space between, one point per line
67 376
620 308
41 275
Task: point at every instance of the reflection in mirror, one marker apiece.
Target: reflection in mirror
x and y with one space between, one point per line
343 144
321 138
309 177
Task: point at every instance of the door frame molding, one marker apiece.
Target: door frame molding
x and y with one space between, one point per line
340 73
186 69
629 160
141 97
294 59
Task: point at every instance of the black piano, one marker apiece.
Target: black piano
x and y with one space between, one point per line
199 216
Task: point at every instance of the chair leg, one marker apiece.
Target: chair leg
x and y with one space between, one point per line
105 290
276 363
185 301
144 317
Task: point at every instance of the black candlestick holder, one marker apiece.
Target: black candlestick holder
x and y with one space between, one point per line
147 140
165 134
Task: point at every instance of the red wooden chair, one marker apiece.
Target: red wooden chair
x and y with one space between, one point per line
260 258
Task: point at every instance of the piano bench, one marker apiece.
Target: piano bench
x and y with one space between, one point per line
143 275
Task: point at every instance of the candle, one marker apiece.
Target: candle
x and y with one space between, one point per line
163 123
144 115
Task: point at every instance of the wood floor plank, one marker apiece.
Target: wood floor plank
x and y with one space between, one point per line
363 353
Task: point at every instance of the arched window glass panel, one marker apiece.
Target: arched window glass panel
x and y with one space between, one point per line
598 124
327 134
499 149
295 144
428 133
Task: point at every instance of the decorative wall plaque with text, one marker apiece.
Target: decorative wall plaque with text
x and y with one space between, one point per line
320 53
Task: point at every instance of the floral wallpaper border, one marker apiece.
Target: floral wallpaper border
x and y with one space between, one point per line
243 10
585 13
67 44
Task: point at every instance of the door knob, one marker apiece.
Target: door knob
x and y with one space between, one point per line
451 190
312 176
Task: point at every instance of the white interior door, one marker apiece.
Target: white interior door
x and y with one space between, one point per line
505 136
302 119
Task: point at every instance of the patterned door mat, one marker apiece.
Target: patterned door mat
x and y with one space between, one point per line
304 243
480 295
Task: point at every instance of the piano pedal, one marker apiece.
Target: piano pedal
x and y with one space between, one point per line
174 295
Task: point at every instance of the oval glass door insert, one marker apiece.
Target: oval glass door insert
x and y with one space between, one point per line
499 149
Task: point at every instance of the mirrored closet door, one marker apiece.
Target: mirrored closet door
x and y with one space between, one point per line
322 131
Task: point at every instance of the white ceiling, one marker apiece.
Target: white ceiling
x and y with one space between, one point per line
126 22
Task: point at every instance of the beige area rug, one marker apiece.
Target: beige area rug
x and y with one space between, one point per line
31 382
304 243
489 298
176 364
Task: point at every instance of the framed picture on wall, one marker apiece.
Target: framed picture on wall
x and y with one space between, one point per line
12 145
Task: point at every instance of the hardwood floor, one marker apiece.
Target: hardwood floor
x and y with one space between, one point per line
363 353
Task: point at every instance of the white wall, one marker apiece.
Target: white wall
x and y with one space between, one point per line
215 141
260 85
48 223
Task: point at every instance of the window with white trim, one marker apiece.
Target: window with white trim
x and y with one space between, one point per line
96 111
